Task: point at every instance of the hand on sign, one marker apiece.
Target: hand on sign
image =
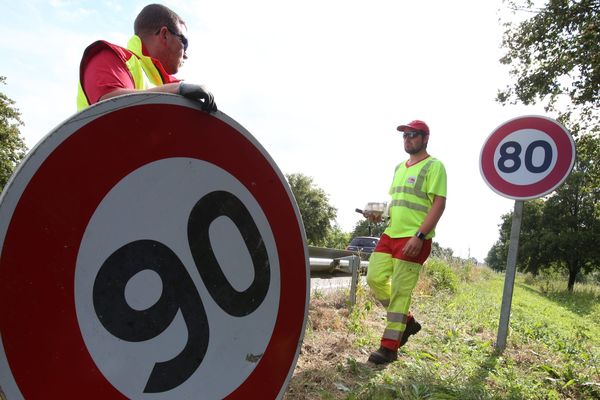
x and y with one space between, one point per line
199 93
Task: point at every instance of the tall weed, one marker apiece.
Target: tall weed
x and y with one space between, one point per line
442 276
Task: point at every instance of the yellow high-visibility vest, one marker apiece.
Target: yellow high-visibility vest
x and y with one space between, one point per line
413 190
145 71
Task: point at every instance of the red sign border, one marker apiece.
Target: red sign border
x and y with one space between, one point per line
565 160
38 321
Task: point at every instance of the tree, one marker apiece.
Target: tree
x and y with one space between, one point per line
554 57
530 240
336 239
562 230
441 252
313 202
366 228
571 217
12 146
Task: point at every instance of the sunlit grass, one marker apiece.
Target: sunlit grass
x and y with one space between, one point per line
553 347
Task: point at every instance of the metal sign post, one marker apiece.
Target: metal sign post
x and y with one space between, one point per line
509 280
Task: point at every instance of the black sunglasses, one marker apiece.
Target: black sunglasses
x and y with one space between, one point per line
181 36
411 134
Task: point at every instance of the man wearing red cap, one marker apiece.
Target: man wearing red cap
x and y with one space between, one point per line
418 200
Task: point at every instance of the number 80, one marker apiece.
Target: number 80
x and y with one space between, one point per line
511 151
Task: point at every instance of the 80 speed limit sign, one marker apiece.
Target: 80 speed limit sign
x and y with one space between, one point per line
527 157
150 251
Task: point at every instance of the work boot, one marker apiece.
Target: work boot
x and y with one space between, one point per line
412 327
383 356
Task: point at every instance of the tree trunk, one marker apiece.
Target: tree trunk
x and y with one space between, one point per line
573 271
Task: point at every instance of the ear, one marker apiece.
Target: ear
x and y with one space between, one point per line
162 35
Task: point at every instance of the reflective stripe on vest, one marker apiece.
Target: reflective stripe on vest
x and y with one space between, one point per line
416 191
409 204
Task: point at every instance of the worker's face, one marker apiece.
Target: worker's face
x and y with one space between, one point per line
414 143
175 51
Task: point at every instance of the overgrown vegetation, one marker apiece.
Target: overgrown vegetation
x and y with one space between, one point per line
12 146
553 349
562 230
316 211
551 49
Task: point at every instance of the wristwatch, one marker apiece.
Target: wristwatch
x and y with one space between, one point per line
420 235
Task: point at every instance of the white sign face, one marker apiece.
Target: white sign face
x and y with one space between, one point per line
527 157
150 250
135 209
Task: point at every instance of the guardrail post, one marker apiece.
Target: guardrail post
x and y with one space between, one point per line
354 266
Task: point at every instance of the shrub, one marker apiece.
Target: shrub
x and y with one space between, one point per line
441 275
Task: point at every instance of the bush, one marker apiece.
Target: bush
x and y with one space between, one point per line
441 275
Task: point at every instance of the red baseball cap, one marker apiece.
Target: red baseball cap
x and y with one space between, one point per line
414 125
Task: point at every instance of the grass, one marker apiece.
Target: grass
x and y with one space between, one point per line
553 347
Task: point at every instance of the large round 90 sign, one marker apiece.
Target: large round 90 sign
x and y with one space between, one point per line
150 251
527 157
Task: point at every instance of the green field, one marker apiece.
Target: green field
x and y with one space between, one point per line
553 347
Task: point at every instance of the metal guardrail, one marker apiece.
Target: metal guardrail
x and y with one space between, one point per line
323 259
327 260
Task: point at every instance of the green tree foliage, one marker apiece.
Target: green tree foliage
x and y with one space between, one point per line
336 239
561 231
12 146
366 228
571 218
438 251
529 240
554 56
313 202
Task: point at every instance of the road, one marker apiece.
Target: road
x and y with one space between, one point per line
329 281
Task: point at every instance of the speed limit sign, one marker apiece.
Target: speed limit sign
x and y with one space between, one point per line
150 250
527 157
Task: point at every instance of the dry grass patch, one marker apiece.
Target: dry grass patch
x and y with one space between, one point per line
332 359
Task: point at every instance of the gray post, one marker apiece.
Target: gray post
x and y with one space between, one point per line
354 265
509 279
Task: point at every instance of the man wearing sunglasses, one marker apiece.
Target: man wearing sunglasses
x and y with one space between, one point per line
418 200
153 55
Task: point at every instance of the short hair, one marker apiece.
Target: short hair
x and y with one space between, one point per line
155 16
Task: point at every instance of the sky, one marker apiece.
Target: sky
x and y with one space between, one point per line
321 84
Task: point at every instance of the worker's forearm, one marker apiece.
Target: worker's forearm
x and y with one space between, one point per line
168 88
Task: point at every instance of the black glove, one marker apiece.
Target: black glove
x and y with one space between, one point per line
197 92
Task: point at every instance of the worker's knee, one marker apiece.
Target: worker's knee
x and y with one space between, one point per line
373 280
379 271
